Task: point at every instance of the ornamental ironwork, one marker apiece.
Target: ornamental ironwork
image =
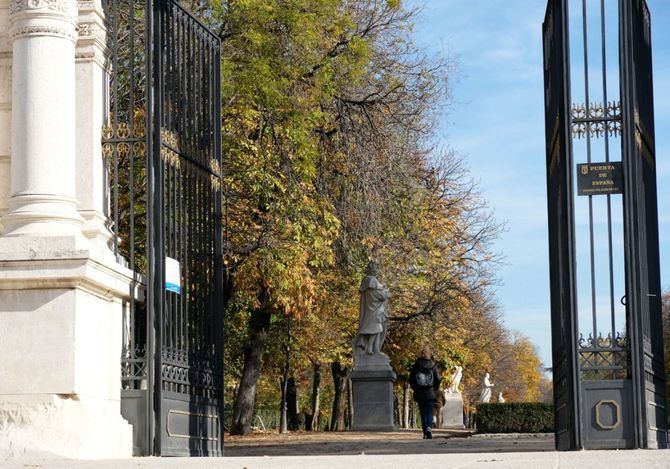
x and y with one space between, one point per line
604 357
596 120
161 146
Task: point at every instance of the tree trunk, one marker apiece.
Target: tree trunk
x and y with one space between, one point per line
438 413
292 413
227 287
283 382
243 409
405 405
396 410
340 375
350 402
316 398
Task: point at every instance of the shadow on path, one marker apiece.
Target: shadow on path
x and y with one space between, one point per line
395 443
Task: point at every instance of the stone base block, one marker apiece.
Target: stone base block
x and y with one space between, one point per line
452 411
62 426
373 399
61 333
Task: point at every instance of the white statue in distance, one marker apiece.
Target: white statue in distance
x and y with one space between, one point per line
486 389
455 380
501 399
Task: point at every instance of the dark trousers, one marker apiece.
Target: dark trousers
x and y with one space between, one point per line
426 409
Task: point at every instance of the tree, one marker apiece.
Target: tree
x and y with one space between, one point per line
277 228
329 112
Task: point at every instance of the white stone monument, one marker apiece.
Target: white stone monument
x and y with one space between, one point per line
62 294
451 414
485 395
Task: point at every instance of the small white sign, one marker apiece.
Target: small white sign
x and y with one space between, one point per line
172 275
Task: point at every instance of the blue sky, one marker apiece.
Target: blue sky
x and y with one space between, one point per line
496 121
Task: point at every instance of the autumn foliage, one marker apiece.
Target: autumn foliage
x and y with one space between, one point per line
329 114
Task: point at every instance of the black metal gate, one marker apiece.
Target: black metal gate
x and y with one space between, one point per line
162 146
561 236
643 289
605 301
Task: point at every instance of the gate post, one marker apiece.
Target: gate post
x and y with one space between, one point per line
62 295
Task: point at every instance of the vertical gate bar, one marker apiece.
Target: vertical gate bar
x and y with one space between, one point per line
218 241
627 101
158 224
150 233
189 211
206 136
194 79
178 170
167 177
175 172
131 178
196 95
182 172
607 158
204 156
175 298
573 321
588 159
176 96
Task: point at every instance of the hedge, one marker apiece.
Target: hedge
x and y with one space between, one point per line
515 417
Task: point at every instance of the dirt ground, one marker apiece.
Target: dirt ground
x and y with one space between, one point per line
382 443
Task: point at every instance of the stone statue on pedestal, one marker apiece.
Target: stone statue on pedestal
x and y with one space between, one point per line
372 378
486 389
451 415
373 315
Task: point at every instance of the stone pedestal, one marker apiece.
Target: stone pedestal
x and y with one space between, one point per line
452 411
60 321
372 381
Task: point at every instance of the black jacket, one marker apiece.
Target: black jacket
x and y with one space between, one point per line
421 395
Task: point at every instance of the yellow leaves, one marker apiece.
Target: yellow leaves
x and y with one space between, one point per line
394 4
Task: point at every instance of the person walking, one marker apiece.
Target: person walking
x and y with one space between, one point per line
425 382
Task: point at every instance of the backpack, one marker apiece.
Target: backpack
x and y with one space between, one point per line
424 379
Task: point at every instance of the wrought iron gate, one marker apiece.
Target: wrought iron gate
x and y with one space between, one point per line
643 289
162 146
561 225
609 387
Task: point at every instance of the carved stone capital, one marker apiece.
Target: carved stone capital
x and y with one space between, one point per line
65 7
57 18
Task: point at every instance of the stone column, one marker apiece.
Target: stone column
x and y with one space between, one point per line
62 294
43 127
91 78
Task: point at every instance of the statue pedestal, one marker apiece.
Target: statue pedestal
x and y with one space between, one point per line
452 411
372 382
